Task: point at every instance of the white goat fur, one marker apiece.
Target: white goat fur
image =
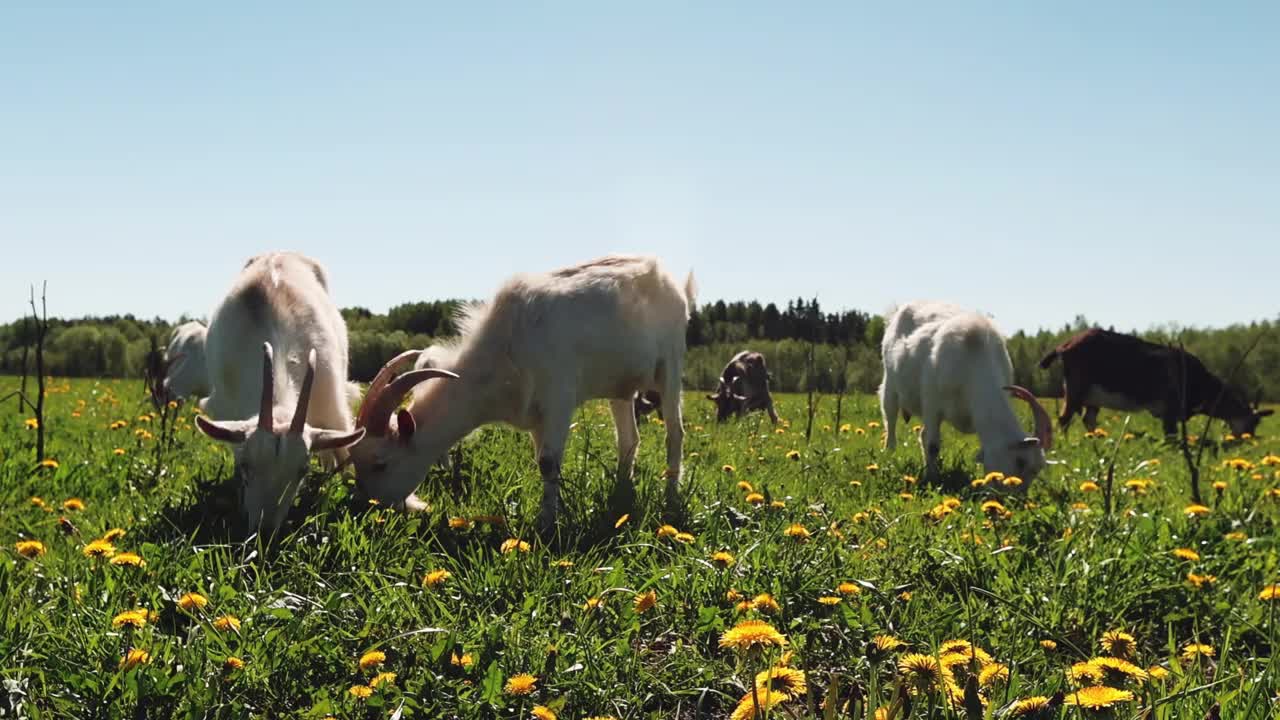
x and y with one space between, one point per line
945 363
545 344
185 369
281 299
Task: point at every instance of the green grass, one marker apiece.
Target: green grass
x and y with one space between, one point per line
349 579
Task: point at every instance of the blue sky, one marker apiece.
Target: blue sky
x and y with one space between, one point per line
1034 160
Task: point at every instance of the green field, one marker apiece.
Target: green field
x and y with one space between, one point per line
847 545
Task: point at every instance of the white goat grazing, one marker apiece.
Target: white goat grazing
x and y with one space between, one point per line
545 344
942 362
185 372
275 334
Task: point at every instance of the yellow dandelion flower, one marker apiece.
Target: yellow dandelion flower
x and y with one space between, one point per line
129 559
1098 697
130 618
797 531
1236 536
49 463
1157 672
728 470
751 635
886 643
37 501
757 704
113 534
905 596
464 661
29 548
1219 486
436 578
383 678
745 486
922 671
1237 463
1089 486
783 679
1191 651
1049 645
732 595
99 548
829 600
667 531
226 623
73 504
793 455
1118 643
31 423
1270 593
521 684
1030 706
542 712
1012 481
193 601
723 559
1201 581
622 521
645 601
593 603
848 588
1195 510
846 427
1119 669
371 659
684 537
511 545
459 523
1185 554
360 692
755 498
993 673
779 504
764 602
134 658
232 663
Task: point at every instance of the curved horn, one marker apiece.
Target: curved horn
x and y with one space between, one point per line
304 396
380 408
265 410
1044 425
380 381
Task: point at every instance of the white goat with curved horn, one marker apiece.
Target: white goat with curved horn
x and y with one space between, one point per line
545 344
942 362
300 403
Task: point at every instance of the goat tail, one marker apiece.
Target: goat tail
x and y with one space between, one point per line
1047 360
690 291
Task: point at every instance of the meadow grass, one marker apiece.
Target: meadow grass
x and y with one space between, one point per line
617 616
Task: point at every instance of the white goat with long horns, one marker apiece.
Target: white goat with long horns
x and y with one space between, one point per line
545 344
292 402
942 362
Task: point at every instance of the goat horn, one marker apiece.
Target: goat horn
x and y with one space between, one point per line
380 382
380 408
1044 425
265 410
304 396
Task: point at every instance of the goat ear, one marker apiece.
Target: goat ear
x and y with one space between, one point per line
227 431
405 425
1264 413
334 439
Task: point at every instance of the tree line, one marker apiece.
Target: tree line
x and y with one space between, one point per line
805 346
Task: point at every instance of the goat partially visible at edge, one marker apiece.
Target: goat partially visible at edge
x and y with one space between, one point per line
545 344
1101 368
945 363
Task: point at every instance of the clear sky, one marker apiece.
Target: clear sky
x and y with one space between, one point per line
1036 160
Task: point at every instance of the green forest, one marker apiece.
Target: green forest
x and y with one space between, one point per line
806 348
